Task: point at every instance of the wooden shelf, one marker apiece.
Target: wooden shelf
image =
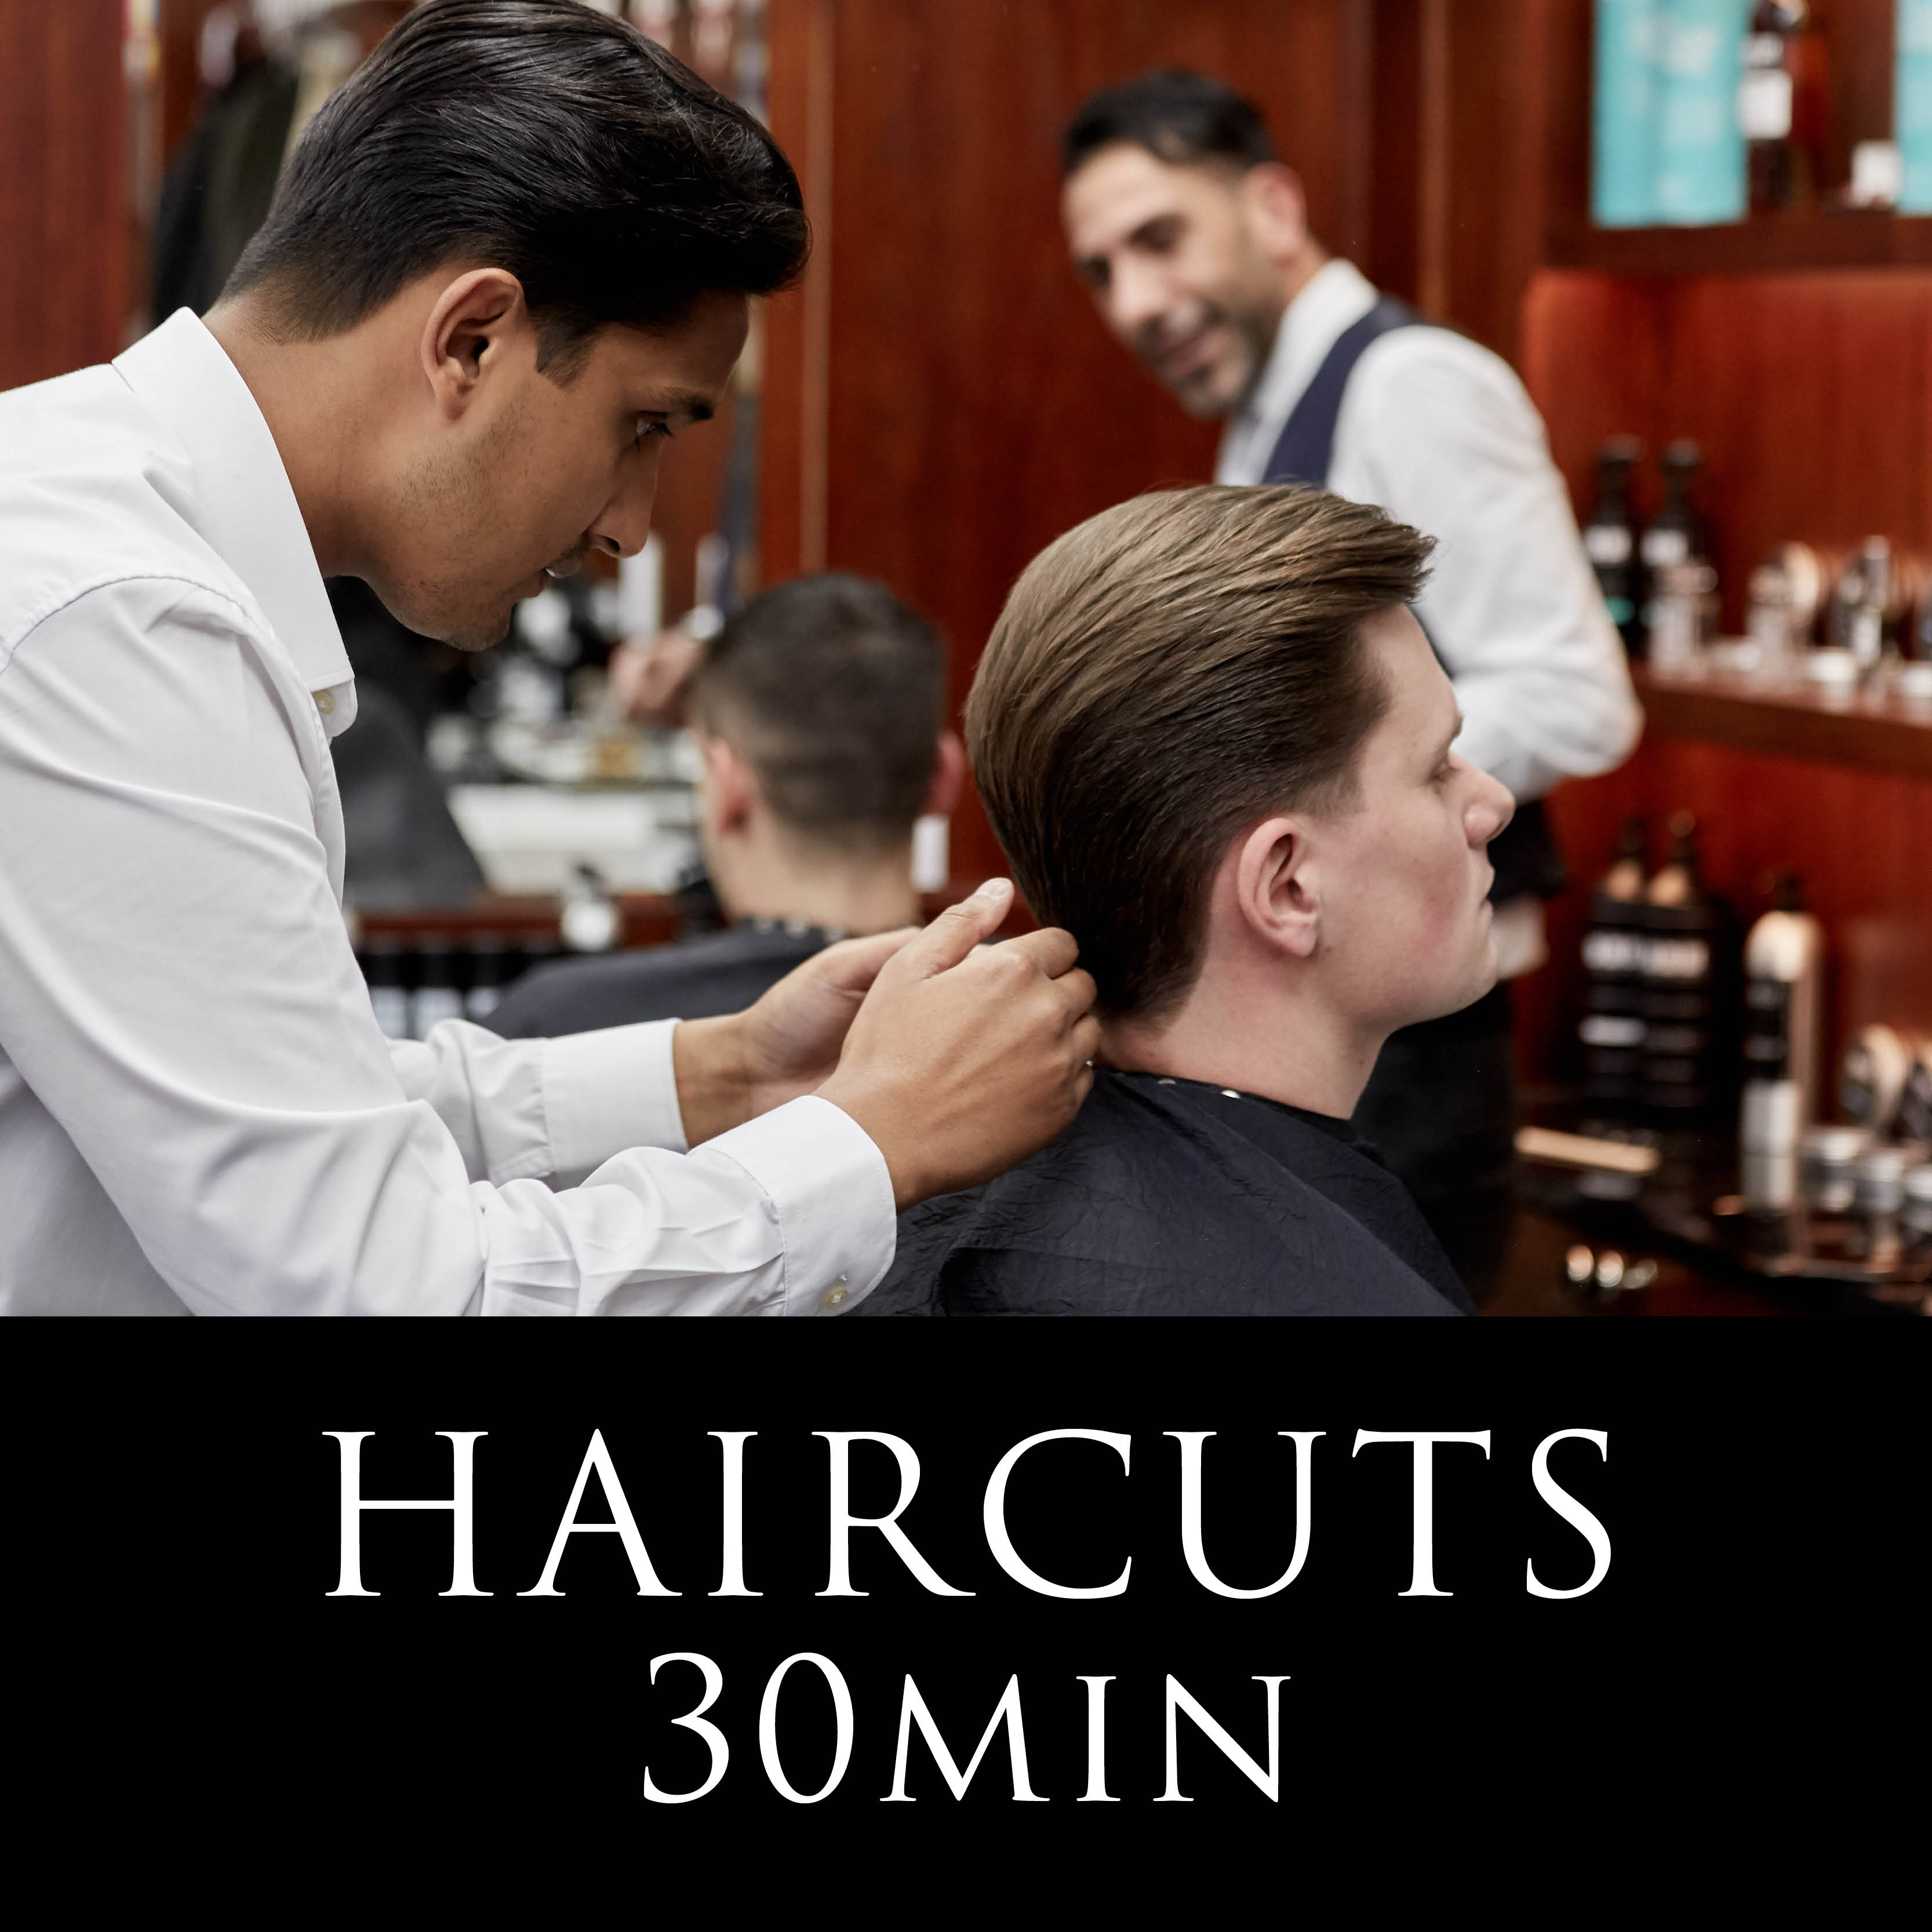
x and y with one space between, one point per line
1774 244
1871 734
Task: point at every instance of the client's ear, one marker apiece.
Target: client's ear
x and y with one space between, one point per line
949 774
729 789
1274 888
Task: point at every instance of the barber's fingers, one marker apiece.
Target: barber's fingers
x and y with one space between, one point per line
853 965
1052 949
1087 1041
1077 989
954 934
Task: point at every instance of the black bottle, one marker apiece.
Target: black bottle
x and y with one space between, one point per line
1676 534
1612 1028
1611 539
1688 994
1768 91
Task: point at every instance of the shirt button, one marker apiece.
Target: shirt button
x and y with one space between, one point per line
324 702
835 1295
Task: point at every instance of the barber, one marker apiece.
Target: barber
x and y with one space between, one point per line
1194 238
509 261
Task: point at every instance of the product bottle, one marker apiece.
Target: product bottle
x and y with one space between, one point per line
1611 1030
1915 1102
1911 103
1675 552
1676 534
1699 148
1781 610
1872 1077
1864 608
1784 956
1778 158
1610 538
1686 967
1623 113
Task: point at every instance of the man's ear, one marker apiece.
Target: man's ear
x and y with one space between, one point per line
472 327
949 775
729 791
1275 888
1277 208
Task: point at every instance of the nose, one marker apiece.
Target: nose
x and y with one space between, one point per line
1489 809
1137 295
624 522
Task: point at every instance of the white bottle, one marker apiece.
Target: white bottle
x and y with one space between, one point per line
1784 958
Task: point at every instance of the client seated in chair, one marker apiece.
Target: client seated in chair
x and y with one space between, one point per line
819 714
1217 746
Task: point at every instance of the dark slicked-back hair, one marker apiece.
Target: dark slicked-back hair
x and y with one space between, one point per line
1164 677
537 135
834 693
1177 117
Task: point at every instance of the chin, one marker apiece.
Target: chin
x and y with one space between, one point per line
1474 985
469 630
1207 397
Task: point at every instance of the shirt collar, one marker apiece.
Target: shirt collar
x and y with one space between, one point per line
245 505
1337 295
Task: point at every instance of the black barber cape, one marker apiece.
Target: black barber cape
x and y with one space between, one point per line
1169 1197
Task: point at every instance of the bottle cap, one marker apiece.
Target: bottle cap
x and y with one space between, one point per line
1837 669
1835 1146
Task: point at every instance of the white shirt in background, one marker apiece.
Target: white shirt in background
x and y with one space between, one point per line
1438 432
198 1113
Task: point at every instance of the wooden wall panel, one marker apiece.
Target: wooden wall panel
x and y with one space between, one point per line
64 232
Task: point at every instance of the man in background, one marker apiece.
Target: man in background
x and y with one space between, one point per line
1214 743
1194 238
819 714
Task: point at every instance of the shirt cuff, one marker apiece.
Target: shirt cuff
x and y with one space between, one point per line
608 1091
828 1183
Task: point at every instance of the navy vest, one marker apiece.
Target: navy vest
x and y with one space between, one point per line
1525 855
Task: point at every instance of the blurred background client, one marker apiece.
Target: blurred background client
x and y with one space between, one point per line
1272 860
819 714
1195 239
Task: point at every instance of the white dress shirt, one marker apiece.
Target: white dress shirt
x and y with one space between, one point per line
197 1111
1439 433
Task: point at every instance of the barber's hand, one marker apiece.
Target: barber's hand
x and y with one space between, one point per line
964 1059
650 678
733 1068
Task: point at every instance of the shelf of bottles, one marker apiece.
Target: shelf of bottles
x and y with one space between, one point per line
1703 1044
1744 136
1836 662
